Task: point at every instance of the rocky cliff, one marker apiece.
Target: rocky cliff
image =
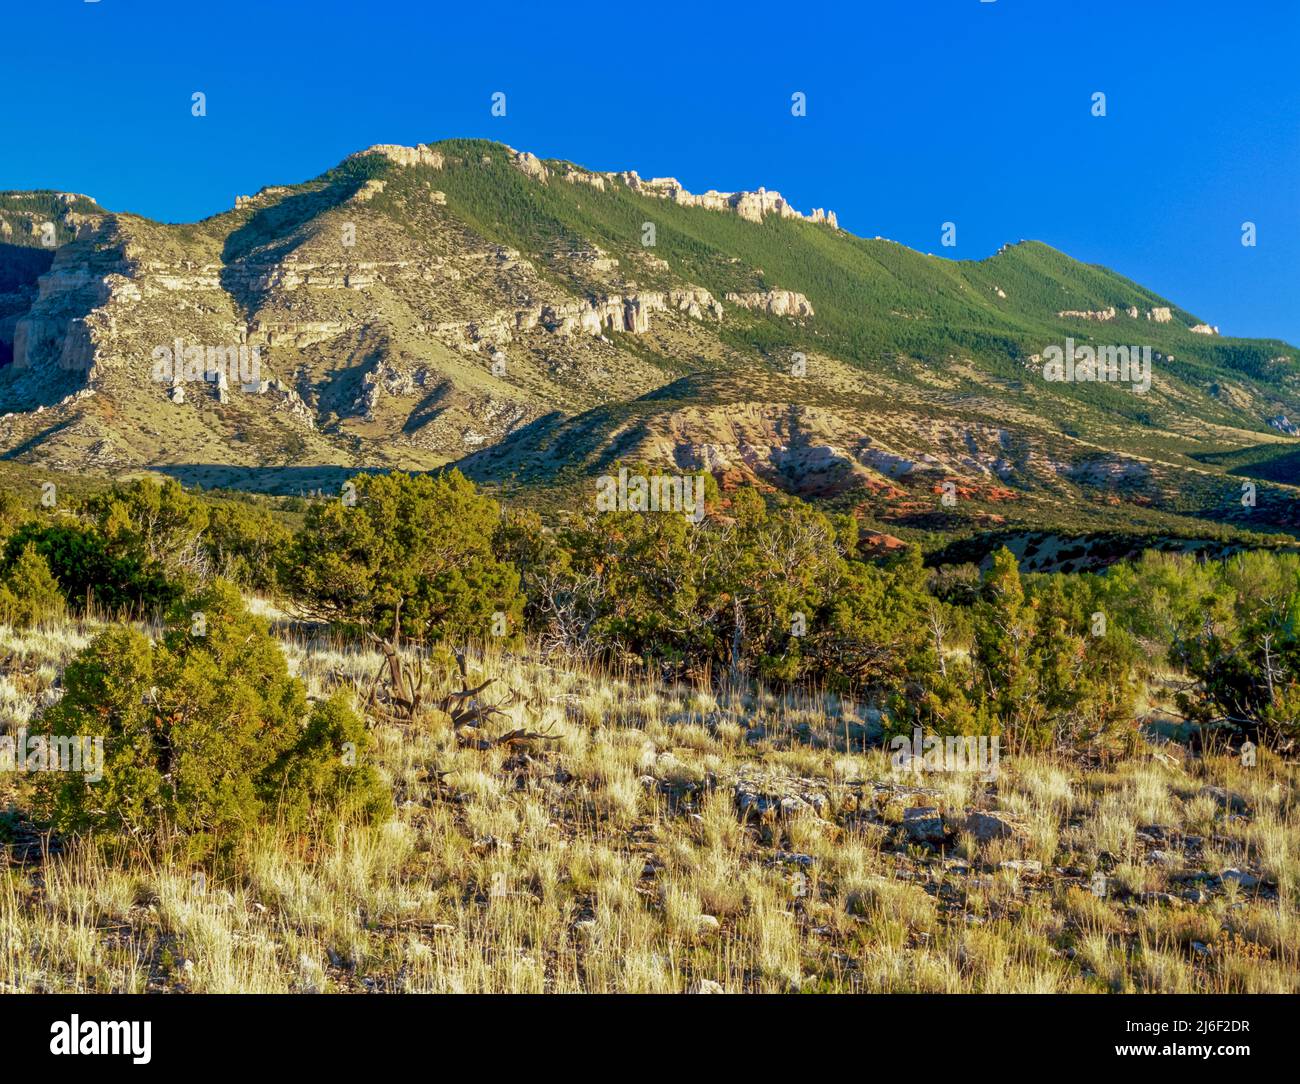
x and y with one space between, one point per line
466 301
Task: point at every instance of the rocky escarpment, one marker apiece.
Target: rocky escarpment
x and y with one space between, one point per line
1161 314
25 220
419 155
590 316
1284 425
773 302
33 226
752 206
60 329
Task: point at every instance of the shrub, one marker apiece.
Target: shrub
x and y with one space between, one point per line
203 731
13 511
29 594
158 525
414 558
330 768
242 543
89 574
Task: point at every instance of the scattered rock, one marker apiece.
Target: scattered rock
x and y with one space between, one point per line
792 859
923 824
1241 877
988 825
777 798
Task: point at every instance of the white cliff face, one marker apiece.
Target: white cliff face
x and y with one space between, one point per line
774 302
530 165
419 155
751 206
591 316
52 334
1101 315
581 176
611 313
1159 315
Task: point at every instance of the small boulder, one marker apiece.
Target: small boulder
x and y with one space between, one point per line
988 825
791 858
1241 878
923 824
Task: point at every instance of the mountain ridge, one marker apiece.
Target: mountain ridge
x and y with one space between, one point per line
464 302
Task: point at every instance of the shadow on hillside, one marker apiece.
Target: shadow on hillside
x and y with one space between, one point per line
21 266
1271 462
526 441
36 440
561 441
273 232
325 479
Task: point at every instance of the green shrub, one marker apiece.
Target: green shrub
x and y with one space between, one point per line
413 559
330 768
204 732
29 594
89 573
243 542
158 525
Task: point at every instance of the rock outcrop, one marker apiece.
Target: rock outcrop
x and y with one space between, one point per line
1283 424
752 206
419 155
774 302
592 316
1100 315
530 165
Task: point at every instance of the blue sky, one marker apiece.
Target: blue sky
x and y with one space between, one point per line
919 112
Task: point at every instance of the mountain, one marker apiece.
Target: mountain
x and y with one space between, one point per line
536 323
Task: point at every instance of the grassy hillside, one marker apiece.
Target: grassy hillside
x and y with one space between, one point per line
416 342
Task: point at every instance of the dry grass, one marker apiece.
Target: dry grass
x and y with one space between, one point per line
616 859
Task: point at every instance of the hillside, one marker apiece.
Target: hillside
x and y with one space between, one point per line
463 302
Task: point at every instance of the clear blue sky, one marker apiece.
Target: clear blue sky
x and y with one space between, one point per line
919 112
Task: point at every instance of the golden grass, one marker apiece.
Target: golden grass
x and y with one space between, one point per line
615 859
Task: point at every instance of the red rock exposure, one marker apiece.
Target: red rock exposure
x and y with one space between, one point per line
876 543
